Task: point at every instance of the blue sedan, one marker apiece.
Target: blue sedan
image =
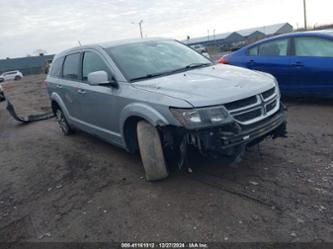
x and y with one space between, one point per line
301 62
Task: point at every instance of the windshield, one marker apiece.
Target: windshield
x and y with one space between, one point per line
155 58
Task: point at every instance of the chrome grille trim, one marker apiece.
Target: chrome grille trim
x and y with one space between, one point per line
247 107
262 104
269 93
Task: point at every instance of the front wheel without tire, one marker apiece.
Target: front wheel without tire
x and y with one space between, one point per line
151 152
62 122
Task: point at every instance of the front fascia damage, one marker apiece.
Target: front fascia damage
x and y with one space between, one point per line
229 140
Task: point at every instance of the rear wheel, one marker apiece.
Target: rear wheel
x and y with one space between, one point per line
151 152
62 122
17 77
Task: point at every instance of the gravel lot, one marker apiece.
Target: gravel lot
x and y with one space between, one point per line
78 188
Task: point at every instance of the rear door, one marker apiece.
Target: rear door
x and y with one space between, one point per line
312 65
69 84
272 57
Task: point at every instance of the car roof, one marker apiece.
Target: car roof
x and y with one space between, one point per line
318 33
112 44
13 71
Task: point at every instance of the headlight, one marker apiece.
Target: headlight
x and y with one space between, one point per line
277 88
201 117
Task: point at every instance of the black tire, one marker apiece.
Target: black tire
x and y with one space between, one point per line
17 77
62 122
151 152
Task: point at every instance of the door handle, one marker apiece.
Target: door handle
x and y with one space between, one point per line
297 64
59 86
81 91
251 62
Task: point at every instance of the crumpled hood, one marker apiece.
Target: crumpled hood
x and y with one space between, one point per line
214 85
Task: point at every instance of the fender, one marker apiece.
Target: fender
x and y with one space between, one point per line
56 98
144 111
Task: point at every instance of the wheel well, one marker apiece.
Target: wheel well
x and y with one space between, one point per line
54 106
130 133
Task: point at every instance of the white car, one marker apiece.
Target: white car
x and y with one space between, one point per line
11 75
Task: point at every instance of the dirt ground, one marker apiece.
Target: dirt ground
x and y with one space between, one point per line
78 188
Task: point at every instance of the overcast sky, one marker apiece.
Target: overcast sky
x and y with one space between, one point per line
27 25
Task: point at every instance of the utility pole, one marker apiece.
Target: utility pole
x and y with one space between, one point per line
140 26
208 34
305 21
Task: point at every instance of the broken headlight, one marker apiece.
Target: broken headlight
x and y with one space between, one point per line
201 117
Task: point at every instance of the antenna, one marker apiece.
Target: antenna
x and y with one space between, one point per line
79 43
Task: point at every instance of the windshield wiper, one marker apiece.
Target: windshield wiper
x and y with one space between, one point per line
149 76
196 65
190 66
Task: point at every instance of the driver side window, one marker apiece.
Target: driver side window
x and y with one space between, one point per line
92 62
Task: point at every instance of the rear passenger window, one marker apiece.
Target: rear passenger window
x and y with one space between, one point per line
92 62
271 48
274 48
71 67
56 68
253 51
313 46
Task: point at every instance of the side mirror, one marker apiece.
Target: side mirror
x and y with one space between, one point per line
101 78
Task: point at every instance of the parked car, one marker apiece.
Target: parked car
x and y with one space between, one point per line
201 49
301 62
11 75
2 95
159 96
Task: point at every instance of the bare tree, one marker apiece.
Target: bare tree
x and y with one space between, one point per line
39 51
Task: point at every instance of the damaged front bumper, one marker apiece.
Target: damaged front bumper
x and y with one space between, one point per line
232 138
228 139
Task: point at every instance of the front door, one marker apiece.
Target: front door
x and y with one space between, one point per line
312 65
98 102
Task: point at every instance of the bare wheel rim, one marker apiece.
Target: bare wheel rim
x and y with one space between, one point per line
62 121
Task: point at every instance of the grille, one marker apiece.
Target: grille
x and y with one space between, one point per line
269 93
248 115
255 108
241 103
271 106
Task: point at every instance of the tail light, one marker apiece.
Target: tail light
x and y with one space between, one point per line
223 60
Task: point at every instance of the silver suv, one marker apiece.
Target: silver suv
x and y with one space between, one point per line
159 96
